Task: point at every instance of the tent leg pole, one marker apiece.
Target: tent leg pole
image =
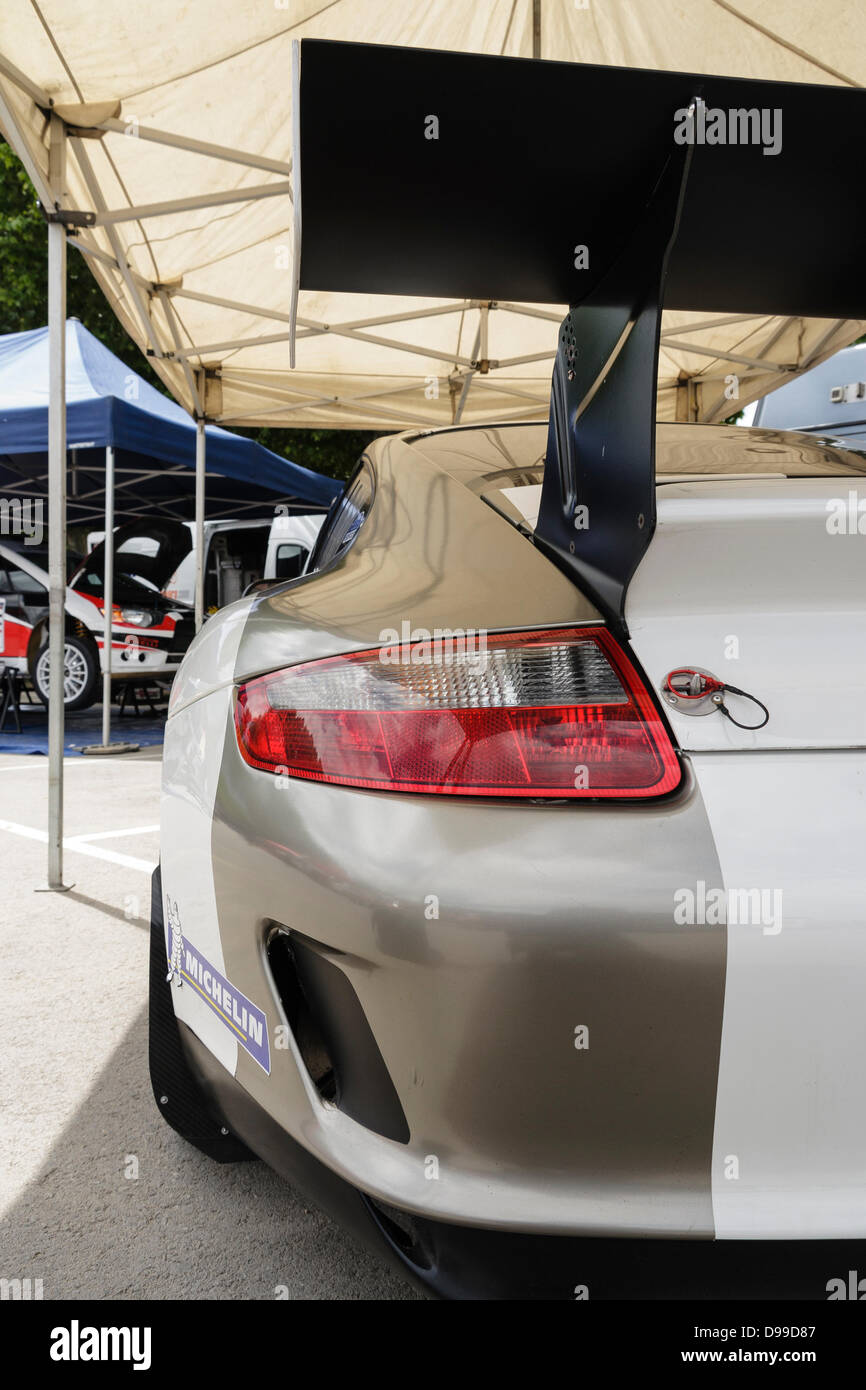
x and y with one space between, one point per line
56 508
108 595
106 746
200 448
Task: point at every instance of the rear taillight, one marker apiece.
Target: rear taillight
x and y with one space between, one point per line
559 713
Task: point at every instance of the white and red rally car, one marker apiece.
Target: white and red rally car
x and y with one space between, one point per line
149 632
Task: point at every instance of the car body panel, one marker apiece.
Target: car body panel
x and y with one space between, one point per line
482 939
190 777
428 554
529 1130
14 637
746 579
209 664
791 1101
476 455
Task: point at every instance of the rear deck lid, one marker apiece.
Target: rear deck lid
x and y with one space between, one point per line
762 582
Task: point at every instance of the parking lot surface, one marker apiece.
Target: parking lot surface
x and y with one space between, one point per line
98 1197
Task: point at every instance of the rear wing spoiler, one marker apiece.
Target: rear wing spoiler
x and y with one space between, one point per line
613 190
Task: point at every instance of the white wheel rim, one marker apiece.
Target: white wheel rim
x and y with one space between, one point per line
74 673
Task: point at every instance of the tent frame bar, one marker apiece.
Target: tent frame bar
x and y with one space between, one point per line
108 217
48 197
21 80
233 344
130 128
724 355
312 328
130 281
434 311
174 326
711 323
285 394
134 131
819 346
97 254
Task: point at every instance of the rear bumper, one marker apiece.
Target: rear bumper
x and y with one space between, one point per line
449 1261
549 1034
548 1028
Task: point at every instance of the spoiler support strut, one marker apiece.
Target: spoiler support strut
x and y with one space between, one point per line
598 510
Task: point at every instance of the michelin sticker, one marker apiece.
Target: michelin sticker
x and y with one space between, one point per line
187 966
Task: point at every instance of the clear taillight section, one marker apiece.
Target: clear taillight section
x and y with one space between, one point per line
559 713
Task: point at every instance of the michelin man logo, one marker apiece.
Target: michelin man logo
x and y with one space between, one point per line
176 939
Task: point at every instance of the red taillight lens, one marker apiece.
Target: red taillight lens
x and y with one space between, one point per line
558 713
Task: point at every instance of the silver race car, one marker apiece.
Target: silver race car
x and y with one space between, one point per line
472 924
511 893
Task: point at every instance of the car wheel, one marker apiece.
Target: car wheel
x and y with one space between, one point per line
80 673
180 1099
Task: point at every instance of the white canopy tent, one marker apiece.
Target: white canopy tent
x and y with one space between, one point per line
159 140
179 121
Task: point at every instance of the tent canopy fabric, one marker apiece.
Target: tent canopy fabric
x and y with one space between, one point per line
180 151
107 403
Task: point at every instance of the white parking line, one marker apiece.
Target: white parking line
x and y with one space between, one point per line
39 764
113 834
78 846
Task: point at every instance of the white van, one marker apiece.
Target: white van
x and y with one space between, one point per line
237 554
829 400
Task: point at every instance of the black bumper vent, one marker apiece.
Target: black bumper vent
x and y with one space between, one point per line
332 1034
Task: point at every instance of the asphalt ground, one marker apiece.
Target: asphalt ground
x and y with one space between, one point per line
98 1197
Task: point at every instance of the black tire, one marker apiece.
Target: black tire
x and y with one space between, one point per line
179 1098
81 673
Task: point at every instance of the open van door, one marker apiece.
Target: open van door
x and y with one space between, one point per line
290 545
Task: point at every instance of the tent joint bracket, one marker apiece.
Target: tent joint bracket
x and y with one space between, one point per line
68 217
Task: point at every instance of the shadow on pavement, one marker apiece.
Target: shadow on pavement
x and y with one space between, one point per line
185 1227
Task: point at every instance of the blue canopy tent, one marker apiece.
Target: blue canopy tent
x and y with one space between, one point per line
131 451
108 405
